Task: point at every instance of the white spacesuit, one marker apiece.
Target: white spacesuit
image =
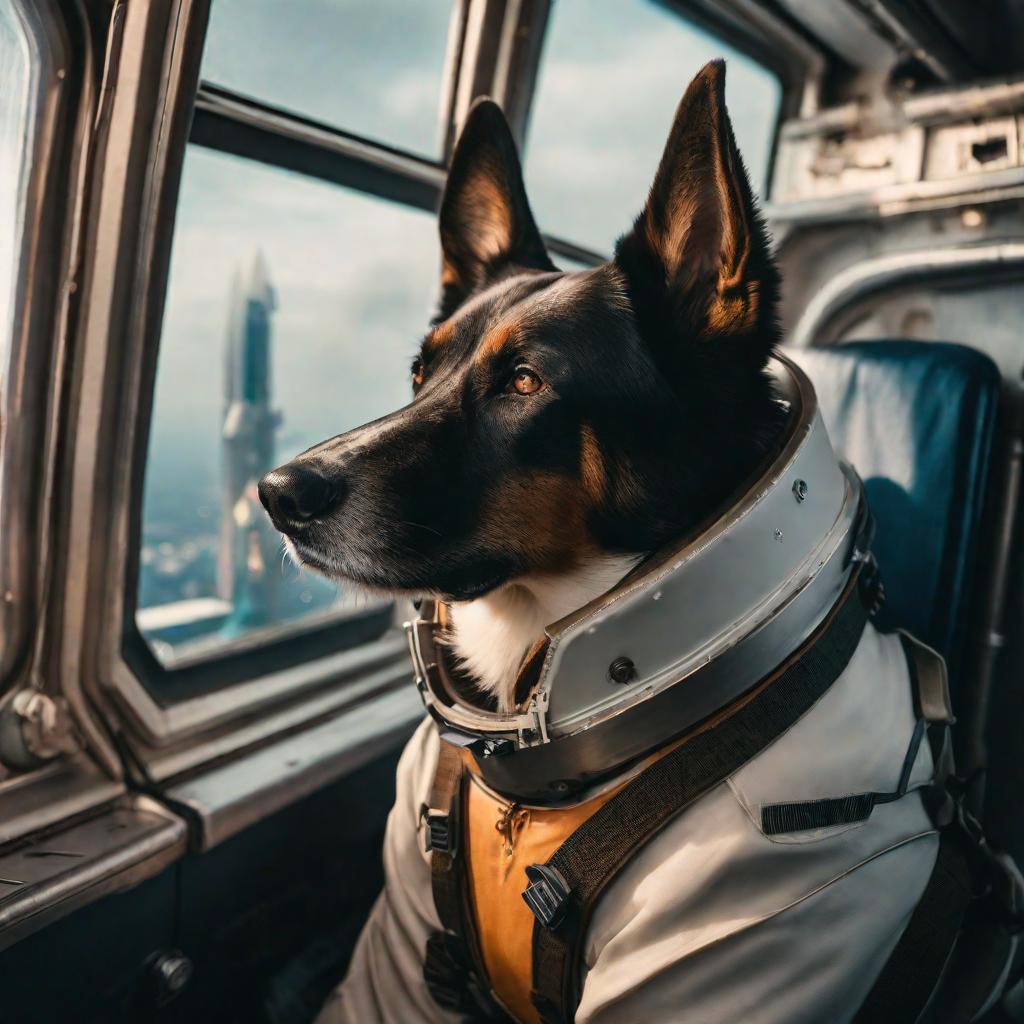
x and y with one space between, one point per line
709 807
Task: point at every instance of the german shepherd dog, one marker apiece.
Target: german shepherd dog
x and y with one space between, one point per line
563 425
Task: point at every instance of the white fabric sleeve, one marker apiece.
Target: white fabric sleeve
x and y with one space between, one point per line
385 978
814 960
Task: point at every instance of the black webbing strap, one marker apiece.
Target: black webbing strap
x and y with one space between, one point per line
442 835
445 965
828 812
564 891
916 964
451 966
930 689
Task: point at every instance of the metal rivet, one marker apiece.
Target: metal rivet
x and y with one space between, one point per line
169 974
622 670
800 490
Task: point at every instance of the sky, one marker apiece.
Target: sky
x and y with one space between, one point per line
356 276
15 102
611 75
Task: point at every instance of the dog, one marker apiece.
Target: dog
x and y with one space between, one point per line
562 427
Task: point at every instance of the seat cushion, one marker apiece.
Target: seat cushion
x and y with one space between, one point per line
916 419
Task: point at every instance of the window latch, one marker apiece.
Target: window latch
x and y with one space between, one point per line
36 728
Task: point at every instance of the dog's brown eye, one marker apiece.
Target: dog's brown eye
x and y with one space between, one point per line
526 382
417 372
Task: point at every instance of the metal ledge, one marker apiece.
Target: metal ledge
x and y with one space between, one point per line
33 801
45 879
243 126
228 798
906 197
871 275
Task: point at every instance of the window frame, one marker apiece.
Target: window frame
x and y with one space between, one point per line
57 93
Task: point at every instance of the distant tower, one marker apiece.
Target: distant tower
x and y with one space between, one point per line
245 567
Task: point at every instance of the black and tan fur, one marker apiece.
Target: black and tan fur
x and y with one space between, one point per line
648 401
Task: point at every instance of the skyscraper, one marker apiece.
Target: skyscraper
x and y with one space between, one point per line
247 571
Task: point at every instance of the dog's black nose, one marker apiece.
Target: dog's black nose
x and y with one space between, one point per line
294 494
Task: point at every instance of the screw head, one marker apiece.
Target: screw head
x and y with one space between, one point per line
170 972
622 670
800 489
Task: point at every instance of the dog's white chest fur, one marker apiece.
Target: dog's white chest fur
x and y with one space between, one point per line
492 634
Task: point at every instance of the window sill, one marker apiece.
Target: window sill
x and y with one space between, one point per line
44 880
230 797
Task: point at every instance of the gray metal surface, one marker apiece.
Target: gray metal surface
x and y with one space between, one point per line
42 880
899 153
230 797
894 269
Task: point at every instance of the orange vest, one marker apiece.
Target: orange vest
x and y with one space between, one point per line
503 840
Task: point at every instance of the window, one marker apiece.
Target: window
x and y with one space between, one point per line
304 268
292 311
611 75
15 73
375 69
293 308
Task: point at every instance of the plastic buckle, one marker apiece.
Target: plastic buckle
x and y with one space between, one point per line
872 590
479 746
437 836
547 895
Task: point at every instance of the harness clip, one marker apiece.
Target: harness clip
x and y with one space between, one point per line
437 836
547 895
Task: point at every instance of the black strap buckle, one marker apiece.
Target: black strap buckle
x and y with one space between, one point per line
437 836
869 584
547 895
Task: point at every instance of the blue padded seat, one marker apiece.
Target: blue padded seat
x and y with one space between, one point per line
916 419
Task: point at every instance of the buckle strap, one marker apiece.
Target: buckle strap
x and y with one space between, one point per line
590 858
547 895
438 835
800 816
453 969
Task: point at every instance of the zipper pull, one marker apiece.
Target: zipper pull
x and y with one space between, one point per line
512 819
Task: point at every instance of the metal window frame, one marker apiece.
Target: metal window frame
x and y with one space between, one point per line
58 95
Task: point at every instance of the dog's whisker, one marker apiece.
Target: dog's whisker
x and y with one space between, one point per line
421 526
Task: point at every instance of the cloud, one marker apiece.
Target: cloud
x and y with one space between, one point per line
611 76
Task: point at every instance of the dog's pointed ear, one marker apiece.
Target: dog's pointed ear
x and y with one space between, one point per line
697 260
486 223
